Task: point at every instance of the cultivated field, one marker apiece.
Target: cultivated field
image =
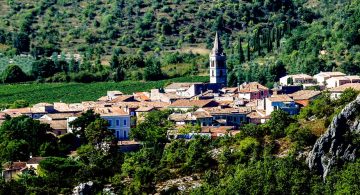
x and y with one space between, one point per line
77 92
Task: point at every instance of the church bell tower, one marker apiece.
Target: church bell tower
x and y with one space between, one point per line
218 63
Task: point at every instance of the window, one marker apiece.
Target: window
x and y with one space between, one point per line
117 122
125 134
221 73
212 73
110 122
124 122
211 63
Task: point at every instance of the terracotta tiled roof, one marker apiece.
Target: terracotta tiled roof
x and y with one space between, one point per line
181 85
201 114
42 104
217 110
14 165
258 115
304 94
142 104
301 76
216 129
55 124
331 74
103 98
280 98
340 78
142 96
144 109
110 111
193 103
58 116
178 117
252 87
342 88
122 98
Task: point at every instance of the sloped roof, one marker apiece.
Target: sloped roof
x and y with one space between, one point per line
342 88
304 94
55 124
181 85
252 87
14 165
193 103
280 98
110 111
122 98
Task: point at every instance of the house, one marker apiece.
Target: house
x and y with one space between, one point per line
253 90
142 112
57 121
283 102
219 131
287 89
257 117
336 81
336 92
200 116
33 163
156 95
113 94
228 116
323 76
190 104
185 89
30 112
304 97
296 79
12 170
118 120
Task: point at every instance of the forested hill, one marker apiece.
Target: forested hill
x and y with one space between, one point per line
99 26
276 36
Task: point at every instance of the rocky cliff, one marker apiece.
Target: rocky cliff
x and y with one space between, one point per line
339 144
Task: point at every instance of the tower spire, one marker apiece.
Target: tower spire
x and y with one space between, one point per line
217 49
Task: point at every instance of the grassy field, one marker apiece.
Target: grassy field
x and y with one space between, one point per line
77 92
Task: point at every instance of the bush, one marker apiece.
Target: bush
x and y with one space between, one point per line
14 74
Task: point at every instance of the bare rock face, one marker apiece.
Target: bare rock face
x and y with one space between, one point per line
336 146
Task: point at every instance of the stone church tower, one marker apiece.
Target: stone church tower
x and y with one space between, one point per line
218 63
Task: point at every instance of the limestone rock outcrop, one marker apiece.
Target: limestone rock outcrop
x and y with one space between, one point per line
337 146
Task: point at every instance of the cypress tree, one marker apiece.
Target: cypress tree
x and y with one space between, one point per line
248 50
241 53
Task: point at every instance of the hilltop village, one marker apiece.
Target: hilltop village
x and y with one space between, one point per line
217 109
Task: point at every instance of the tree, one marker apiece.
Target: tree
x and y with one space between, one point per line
153 129
278 123
22 136
44 68
13 74
114 62
97 132
21 42
79 125
241 53
153 71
